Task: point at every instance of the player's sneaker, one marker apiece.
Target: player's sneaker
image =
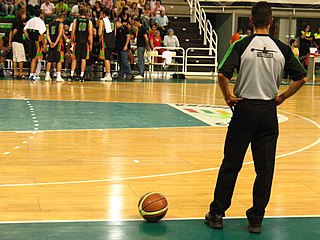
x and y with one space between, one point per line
60 79
31 78
47 78
106 78
138 77
81 79
71 78
36 77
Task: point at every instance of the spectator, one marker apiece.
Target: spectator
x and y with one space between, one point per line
142 44
152 4
107 3
316 39
162 22
155 41
305 41
133 10
293 45
123 49
3 54
61 8
171 40
96 11
158 8
9 7
16 42
152 31
125 16
87 5
48 9
141 5
3 8
19 4
147 11
75 11
248 32
119 7
236 36
32 6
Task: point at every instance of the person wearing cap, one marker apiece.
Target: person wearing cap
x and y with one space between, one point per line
171 40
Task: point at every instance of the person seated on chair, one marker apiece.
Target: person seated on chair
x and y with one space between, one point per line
48 9
155 41
3 54
171 40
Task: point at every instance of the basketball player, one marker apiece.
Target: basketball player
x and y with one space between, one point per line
82 39
55 55
106 33
260 60
34 30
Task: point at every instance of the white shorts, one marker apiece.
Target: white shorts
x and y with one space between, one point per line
18 53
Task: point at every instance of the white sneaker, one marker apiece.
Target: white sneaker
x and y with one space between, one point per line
106 78
36 77
60 79
47 79
139 77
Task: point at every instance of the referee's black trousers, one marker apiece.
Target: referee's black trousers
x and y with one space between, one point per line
255 122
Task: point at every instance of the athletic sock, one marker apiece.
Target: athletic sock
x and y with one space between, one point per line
72 73
58 74
81 74
47 74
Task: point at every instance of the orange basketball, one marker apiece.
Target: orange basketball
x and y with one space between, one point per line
153 206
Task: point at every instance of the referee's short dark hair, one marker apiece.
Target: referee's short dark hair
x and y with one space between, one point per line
261 14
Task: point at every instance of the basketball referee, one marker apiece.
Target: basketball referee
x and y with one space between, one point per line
260 61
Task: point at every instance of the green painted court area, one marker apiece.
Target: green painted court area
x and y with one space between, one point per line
273 228
26 115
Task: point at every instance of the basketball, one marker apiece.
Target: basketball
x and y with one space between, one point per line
153 206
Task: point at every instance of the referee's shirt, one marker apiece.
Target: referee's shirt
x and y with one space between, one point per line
260 61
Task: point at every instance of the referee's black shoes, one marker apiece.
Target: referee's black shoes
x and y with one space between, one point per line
214 221
254 227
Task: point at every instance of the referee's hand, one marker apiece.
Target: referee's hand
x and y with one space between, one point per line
232 101
280 99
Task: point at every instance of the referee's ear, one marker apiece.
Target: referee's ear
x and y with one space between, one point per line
251 21
271 21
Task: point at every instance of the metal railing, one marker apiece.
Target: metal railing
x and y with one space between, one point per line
210 60
210 37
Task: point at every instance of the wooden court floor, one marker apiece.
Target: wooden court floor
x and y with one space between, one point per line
67 173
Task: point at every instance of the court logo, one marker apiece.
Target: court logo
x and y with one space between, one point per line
212 115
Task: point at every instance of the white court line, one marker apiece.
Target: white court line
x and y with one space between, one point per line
141 220
165 174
